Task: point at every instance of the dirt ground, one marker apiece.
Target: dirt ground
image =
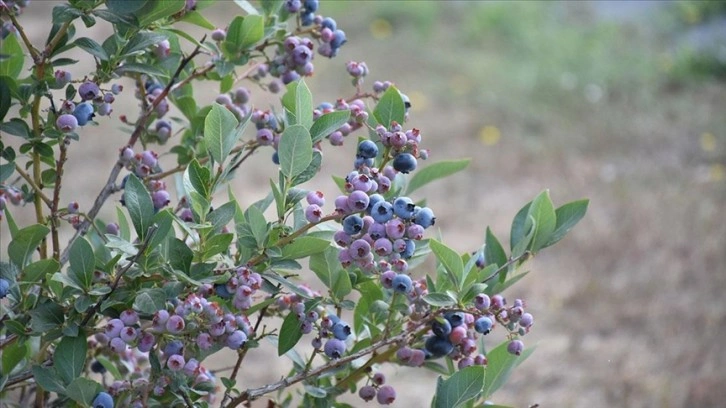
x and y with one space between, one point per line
585 99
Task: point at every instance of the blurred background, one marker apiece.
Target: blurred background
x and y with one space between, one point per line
620 102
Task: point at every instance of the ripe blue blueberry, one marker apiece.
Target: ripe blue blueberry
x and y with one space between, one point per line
97 367
424 217
408 250
293 6
236 340
402 283
441 327
102 400
338 39
438 346
483 325
83 113
310 6
341 330
352 224
382 212
334 348
329 22
367 149
173 347
455 318
404 162
403 207
275 158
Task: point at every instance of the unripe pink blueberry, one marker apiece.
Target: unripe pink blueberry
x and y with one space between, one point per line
313 213
515 347
526 320
113 328
117 345
315 197
146 342
129 317
367 392
219 34
457 335
160 198
163 49
386 395
112 228
62 77
379 378
66 123
73 207
498 302
175 324
482 301
129 334
176 362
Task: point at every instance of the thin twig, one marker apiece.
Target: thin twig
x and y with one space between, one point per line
522 257
36 188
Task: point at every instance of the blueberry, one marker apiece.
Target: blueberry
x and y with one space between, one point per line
66 123
173 347
129 317
176 362
455 318
175 324
236 340
219 34
483 325
113 328
334 348
313 213
526 320
408 249
221 291
424 217
275 158
102 400
62 78
403 207
382 212
311 6
341 330
293 6
97 367
482 301
329 23
352 224
437 346
386 395
88 91
367 392
160 199
83 113
116 89
358 200
359 249
105 109
515 347
441 327
338 39
315 197
404 162
402 283
373 199
367 149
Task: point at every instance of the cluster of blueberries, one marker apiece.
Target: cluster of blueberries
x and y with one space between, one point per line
327 31
384 394
15 196
93 101
144 164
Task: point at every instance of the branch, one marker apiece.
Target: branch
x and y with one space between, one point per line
36 188
509 263
110 185
254 393
56 198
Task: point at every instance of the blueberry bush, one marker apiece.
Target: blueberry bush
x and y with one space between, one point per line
128 311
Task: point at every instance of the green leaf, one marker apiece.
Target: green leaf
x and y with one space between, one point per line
110 366
219 132
499 367
310 172
196 18
519 226
327 267
290 285
149 301
217 244
257 224
83 391
304 247
298 101
568 216
139 204
141 41
13 354
242 33
434 172
450 260
197 179
11 65
439 299
123 223
156 10
390 108
92 47
6 84
142 69
22 247
48 379
222 215
16 127
290 334
46 317
461 387
295 150
493 251
83 262
543 212
70 357
328 123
